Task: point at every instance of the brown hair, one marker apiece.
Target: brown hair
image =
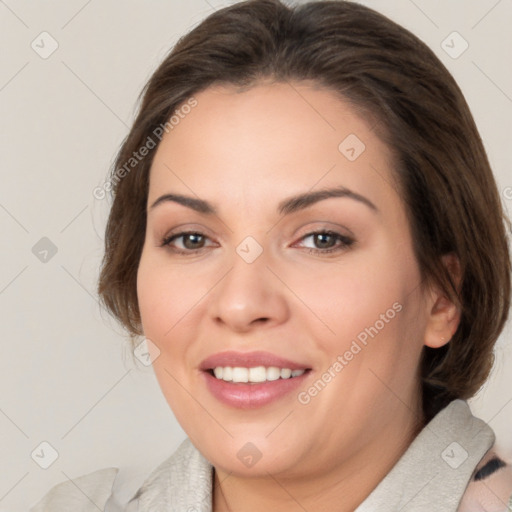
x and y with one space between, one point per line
441 166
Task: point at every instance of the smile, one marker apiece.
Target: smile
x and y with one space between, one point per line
249 380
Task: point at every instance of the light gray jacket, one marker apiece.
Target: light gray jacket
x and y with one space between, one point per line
435 473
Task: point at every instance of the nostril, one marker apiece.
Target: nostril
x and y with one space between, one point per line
262 320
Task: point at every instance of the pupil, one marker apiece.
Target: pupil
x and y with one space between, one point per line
323 240
193 241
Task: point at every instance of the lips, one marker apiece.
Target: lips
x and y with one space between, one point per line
241 394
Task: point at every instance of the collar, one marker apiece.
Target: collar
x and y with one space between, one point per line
437 466
435 469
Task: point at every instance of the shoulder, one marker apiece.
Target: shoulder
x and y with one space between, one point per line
490 488
182 482
87 493
183 478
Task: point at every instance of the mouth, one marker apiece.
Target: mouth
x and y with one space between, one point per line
252 380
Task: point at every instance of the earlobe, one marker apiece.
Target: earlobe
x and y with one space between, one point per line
443 314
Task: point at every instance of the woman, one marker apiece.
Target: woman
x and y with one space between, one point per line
307 232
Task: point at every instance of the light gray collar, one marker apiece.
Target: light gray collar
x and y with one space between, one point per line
433 472
437 467
182 482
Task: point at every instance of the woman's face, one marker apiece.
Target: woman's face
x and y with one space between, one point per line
297 255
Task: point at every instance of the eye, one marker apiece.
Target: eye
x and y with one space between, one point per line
186 242
325 242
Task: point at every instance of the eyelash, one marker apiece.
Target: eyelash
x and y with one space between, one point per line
345 242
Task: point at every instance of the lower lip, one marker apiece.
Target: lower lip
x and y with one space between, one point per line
251 396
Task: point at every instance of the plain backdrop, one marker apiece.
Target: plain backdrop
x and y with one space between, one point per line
66 377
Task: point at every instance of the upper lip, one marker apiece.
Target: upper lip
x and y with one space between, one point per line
249 360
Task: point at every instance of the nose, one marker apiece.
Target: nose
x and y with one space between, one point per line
249 296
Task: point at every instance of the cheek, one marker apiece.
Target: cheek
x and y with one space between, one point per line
353 295
164 304
154 294
368 311
172 300
165 296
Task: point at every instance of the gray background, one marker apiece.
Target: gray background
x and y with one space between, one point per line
65 375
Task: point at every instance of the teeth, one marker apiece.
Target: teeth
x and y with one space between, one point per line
240 374
227 373
258 374
255 374
273 373
286 373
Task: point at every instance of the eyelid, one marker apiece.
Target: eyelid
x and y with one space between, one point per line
184 227
310 228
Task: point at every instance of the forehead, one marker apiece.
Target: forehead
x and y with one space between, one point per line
271 140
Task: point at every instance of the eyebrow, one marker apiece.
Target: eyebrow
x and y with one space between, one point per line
199 205
286 207
302 201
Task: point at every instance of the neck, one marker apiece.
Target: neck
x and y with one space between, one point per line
343 488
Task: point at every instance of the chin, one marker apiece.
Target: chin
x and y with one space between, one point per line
253 454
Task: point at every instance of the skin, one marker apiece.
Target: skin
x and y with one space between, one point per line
245 152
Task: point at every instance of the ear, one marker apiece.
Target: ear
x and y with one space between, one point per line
443 316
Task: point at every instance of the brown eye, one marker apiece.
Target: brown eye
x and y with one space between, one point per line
324 240
186 242
193 241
